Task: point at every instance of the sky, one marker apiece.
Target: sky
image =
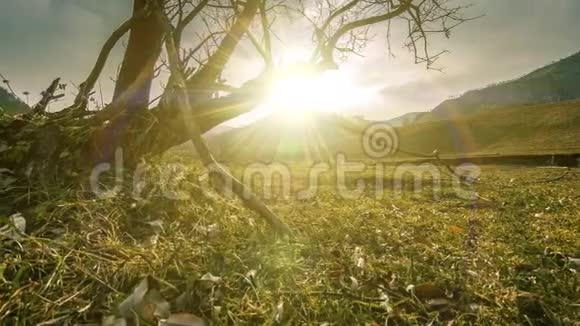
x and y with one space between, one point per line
43 39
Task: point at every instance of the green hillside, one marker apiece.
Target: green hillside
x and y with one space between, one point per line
275 138
541 129
553 83
10 104
410 118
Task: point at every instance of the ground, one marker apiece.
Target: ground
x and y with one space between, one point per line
407 258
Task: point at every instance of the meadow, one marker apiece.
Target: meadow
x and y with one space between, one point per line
506 257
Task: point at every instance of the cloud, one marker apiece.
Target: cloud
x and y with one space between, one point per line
514 38
42 39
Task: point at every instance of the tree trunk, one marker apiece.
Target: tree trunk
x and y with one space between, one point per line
130 125
143 48
133 86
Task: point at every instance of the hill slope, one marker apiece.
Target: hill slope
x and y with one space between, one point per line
540 129
410 118
555 82
9 104
276 138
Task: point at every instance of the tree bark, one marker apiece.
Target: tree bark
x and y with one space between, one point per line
139 131
143 48
133 87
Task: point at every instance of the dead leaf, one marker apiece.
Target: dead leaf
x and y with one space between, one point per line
157 226
146 301
251 276
128 305
358 258
161 308
209 277
151 241
252 273
210 231
354 285
575 262
18 221
16 228
431 295
385 301
437 303
279 312
182 319
428 291
474 307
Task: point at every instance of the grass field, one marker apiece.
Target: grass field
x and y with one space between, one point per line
410 259
552 128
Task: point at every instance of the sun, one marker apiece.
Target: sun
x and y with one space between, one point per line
299 94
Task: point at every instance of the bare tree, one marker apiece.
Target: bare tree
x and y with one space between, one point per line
195 92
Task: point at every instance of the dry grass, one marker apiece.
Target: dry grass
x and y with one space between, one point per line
351 262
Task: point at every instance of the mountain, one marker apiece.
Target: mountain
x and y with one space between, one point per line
10 104
552 128
409 118
556 82
276 137
549 128
538 113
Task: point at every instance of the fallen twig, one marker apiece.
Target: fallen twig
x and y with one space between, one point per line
560 177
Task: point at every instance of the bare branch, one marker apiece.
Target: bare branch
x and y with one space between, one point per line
87 86
185 21
47 96
327 52
7 83
182 101
216 63
266 33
